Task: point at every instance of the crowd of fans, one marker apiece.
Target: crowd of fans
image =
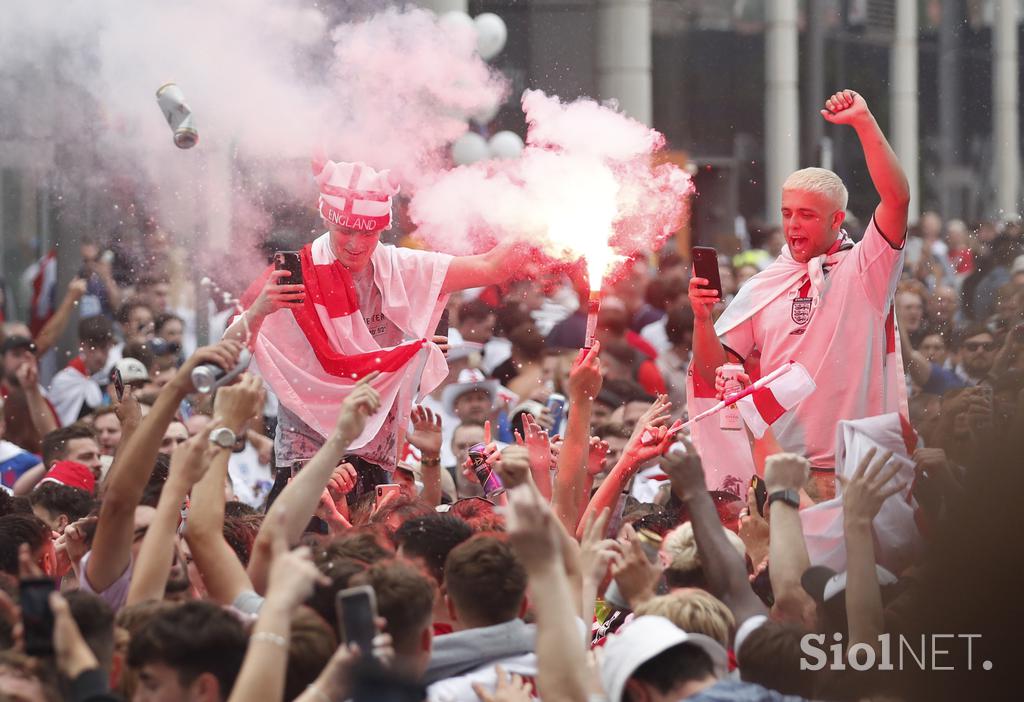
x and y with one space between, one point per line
603 568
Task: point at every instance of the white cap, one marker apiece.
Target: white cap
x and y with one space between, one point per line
643 638
132 371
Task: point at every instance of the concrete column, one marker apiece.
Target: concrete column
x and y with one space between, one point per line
950 107
1006 118
781 117
903 95
441 6
623 59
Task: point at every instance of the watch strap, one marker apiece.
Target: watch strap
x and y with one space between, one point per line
790 497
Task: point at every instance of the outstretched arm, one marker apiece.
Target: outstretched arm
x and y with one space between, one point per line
496 266
787 550
57 323
726 572
848 107
299 499
584 384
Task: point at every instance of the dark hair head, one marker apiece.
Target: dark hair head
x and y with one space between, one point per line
95 331
614 430
310 646
431 538
362 544
18 529
142 353
627 390
125 310
771 658
193 638
679 324
475 310
405 598
240 533
398 510
60 499
341 570
673 667
478 513
527 341
163 318
55 443
9 504
973 330
234 508
485 581
95 619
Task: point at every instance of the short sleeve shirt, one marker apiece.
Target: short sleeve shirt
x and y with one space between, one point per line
842 339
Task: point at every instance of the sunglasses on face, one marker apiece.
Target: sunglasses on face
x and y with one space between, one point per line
983 345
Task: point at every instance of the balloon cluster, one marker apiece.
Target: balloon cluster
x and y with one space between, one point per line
491 35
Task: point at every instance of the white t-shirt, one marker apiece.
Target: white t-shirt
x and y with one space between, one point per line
250 480
841 342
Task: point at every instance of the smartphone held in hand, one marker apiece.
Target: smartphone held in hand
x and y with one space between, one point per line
289 261
36 616
356 609
705 265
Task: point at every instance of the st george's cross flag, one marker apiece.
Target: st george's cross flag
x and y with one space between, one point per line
312 357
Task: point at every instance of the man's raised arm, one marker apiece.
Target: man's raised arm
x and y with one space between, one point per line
848 107
496 266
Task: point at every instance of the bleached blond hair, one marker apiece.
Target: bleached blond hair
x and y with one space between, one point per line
694 611
819 180
679 547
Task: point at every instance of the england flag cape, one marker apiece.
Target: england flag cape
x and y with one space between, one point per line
726 455
312 357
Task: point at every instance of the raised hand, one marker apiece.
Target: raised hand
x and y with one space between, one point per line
361 402
224 354
702 300
28 374
633 571
191 459
585 378
278 294
686 472
742 378
510 687
596 552
530 524
73 655
236 404
426 431
597 457
537 442
785 471
846 107
292 573
869 486
342 481
513 467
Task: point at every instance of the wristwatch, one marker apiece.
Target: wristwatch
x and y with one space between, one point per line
223 437
789 497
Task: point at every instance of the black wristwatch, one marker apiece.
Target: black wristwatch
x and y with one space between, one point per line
789 497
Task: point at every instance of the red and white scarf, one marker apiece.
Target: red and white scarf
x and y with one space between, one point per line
312 357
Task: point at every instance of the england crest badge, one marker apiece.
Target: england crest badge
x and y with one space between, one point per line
801 310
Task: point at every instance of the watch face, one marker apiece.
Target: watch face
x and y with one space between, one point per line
223 437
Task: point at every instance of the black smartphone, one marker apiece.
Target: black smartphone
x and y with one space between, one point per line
705 265
442 324
36 616
356 609
760 493
115 375
289 261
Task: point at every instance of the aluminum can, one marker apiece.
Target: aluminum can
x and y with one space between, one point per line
729 418
178 115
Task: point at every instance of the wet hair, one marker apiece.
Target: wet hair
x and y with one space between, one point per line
54 446
15 530
404 507
192 638
432 537
478 513
362 544
240 533
311 644
771 658
485 580
60 499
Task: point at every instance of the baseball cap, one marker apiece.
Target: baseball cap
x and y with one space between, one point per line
71 474
643 638
132 371
822 583
15 343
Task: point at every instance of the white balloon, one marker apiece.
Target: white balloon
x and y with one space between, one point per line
506 145
469 148
485 114
456 23
491 34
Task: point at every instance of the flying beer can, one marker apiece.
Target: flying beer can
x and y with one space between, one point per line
178 115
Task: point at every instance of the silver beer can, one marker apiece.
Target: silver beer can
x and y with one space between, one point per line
730 418
178 115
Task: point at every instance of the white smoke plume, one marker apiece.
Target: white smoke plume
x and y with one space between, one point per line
586 180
